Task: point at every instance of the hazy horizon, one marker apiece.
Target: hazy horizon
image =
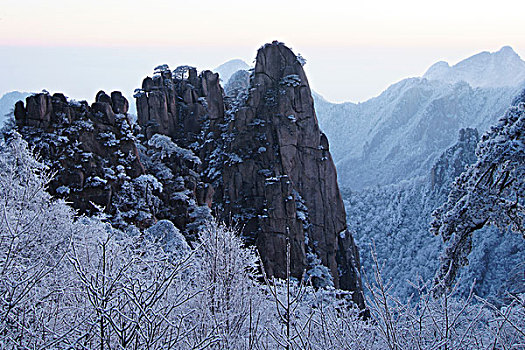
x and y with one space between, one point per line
339 74
354 50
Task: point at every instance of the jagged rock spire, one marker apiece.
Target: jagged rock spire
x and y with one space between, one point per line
269 163
282 182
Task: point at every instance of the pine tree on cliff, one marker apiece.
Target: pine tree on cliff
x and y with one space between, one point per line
491 191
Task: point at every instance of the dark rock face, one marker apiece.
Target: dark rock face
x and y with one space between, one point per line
99 162
285 177
181 107
267 160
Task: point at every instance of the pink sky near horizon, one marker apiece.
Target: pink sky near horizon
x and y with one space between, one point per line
354 50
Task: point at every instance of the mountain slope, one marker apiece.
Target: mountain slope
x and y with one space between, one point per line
227 69
394 219
400 133
7 103
485 69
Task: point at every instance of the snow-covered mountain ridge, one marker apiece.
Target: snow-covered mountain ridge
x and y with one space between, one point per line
400 133
485 69
227 69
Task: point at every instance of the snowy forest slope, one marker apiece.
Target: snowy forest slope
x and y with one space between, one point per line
402 132
394 220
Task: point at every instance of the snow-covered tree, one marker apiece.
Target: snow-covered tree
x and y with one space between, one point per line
491 191
230 305
181 72
132 290
69 282
34 238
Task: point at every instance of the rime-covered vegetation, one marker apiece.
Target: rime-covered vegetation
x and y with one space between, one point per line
69 281
490 191
394 220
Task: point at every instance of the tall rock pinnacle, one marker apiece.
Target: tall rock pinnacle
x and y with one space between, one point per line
281 181
268 162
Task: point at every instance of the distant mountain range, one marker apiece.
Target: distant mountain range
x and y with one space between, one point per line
486 69
227 69
401 133
397 155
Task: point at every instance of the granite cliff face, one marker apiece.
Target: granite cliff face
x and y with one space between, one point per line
284 184
255 158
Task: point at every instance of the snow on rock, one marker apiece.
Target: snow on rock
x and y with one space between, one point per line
167 147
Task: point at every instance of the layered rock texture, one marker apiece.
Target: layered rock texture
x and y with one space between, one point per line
255 158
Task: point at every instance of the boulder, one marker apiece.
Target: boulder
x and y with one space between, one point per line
119 103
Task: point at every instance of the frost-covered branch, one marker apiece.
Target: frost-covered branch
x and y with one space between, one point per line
491 191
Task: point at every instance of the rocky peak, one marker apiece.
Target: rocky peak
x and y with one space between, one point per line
279 179
174 104
268 162
92 148
101 164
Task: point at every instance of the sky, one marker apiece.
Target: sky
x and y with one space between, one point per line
354 49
